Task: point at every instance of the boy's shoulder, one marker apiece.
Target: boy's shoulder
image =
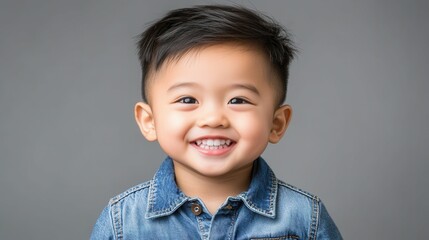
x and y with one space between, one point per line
135 192
290 189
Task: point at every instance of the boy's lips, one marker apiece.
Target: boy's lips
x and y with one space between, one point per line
213 145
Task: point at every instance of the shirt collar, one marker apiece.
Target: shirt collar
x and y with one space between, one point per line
165 197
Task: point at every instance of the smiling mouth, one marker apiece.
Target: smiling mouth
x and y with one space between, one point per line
213 144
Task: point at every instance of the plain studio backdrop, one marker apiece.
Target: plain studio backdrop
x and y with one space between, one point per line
69 78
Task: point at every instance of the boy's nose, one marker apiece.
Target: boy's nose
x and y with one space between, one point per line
213 117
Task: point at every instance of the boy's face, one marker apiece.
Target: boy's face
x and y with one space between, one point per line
214 110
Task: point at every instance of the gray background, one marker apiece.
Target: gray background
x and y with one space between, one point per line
69 78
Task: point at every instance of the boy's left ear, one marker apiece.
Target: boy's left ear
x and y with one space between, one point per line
281 121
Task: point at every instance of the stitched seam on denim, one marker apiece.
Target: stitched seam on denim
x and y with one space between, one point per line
314 220
117 221
315 208
231 226
151 212
151 197
272 195
298 190
318 203
116 210
112 222
204 234
166 211
134 189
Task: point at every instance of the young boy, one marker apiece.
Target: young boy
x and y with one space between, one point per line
214 82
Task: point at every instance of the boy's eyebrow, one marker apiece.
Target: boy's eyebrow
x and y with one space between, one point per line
180 85
247 86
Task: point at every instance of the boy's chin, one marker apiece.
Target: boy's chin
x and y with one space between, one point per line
215 167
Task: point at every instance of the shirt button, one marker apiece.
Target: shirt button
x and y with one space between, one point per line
196 209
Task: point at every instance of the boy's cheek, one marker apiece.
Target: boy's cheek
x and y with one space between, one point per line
171 125
252 126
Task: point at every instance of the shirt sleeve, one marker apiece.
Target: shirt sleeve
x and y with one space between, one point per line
103 229
326 226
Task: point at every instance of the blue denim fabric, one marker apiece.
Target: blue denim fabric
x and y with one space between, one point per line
270 209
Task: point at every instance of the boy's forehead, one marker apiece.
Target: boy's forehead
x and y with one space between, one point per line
219 58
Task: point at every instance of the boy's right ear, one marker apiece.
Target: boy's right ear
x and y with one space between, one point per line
144 118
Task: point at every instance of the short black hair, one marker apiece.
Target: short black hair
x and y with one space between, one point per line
184 29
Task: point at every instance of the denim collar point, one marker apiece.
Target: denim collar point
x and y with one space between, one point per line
262 193
164 197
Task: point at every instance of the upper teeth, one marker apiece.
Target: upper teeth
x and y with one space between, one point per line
213 142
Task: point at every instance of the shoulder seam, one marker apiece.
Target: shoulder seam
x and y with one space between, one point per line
131 190
298 190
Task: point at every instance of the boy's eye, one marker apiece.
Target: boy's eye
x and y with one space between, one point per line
187 100
237 101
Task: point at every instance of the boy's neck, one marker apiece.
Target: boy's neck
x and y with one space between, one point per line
213 191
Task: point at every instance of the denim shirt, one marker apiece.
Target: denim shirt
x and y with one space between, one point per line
269 209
